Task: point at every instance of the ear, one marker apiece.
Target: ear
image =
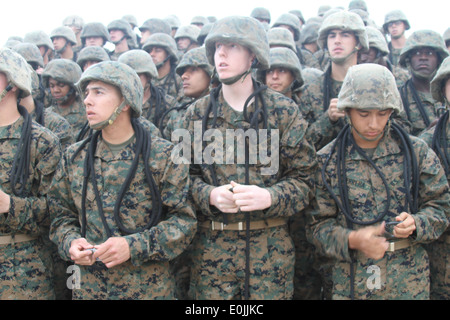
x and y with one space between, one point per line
358 46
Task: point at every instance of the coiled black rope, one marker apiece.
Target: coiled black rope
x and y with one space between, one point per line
410 173
404 94
143 148
259 116
20 170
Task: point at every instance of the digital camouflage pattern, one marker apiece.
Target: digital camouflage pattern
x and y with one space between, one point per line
281 37
217 270
94 29
423 38
320 129
439 250
39 38
404 273
119 75
15 68
155 25
31 53
375 92
395 15
92 53
378 41
146 275
291 20
346 21
27 267
245 31
64 32
418 39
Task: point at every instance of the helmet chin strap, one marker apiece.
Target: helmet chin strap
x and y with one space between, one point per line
5 92
342 60
102 125
159 65
118 41
233 80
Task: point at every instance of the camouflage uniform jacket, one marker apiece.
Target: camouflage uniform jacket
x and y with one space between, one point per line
149 110
74 114
59 126
414 116
404 273
146 274
290 187
27 215
320 130
439 250
172 87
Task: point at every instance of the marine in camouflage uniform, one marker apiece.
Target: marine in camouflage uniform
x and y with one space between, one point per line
94 34
28 158
243 251
307 284
192 63
141 211
396 17
187 38
437 138
44 116
156 101
122 37
166 64
64 49
423 47
377 53
43 42
361 188
318 93
70 107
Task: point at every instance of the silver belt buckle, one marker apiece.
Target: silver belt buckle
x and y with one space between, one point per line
213 225
240 226
391 247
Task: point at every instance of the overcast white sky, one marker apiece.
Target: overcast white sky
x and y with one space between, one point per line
21 16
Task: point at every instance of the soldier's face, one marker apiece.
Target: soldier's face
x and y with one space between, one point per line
145 35
195 82
370 124
183 43
396 29
58 89
424 60
101 99
59 42
279 79
94 41
368 56
232 59
116 34
341 43
158 55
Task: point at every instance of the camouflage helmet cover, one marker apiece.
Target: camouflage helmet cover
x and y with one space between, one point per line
64 32
165 41
310 33
16 70
261 13
377 40
395 15
346 21
199 20
423 38
290 20
446 35
195 58
438 82
92 53
284 58
130 19
140 61
357 4
281 37
30 52
39 38
191 31
155 25
245 31
94 29
298 14
369 86
73 20
62 70
119 75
